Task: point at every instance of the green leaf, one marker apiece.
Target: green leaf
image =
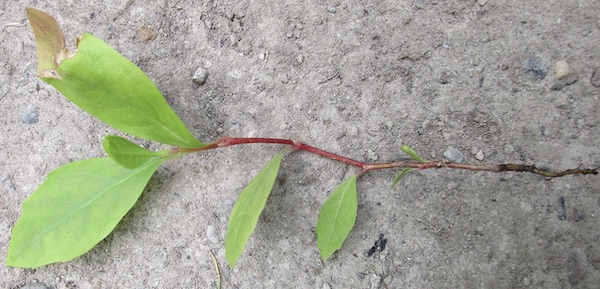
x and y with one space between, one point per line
74 209
337 217
105 84
412 154
127 153
401 175
248 208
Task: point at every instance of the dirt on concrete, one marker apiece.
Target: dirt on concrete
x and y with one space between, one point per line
500 81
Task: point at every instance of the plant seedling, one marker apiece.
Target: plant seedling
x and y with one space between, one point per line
80 203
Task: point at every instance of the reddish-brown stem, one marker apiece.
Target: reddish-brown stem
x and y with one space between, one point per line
228 141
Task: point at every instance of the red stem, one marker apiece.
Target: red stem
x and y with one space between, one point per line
229 141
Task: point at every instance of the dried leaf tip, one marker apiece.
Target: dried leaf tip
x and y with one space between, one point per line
50 42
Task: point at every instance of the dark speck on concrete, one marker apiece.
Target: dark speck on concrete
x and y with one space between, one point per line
562 210
379 245
536 67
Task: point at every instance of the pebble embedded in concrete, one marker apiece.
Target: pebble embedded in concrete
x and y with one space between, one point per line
454 155
479 155
563 75
561 69
536 67
211 233
31 115
200 76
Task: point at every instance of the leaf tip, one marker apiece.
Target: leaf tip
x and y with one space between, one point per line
50 42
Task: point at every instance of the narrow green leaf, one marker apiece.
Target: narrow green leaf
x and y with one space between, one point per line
216 269
105 84
126 153
337 217
412 154
400 176
248 208
74 209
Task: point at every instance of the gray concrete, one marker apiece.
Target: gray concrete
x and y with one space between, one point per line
359 78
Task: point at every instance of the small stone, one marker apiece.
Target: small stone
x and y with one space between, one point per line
564 75
331 9
220 130
479 155
454 155
561 69
482 2
211 233
388 123
300 59
31 115
200 76
536 67
262 56
526 281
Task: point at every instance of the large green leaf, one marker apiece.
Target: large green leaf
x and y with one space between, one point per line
74 209
248 208
127 153
105 84
337 217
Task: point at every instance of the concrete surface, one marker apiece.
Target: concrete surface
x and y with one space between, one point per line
358 78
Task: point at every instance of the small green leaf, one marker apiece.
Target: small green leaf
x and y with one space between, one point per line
401 175
127 153
412 154
105 84
74 209
337 217
248 208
